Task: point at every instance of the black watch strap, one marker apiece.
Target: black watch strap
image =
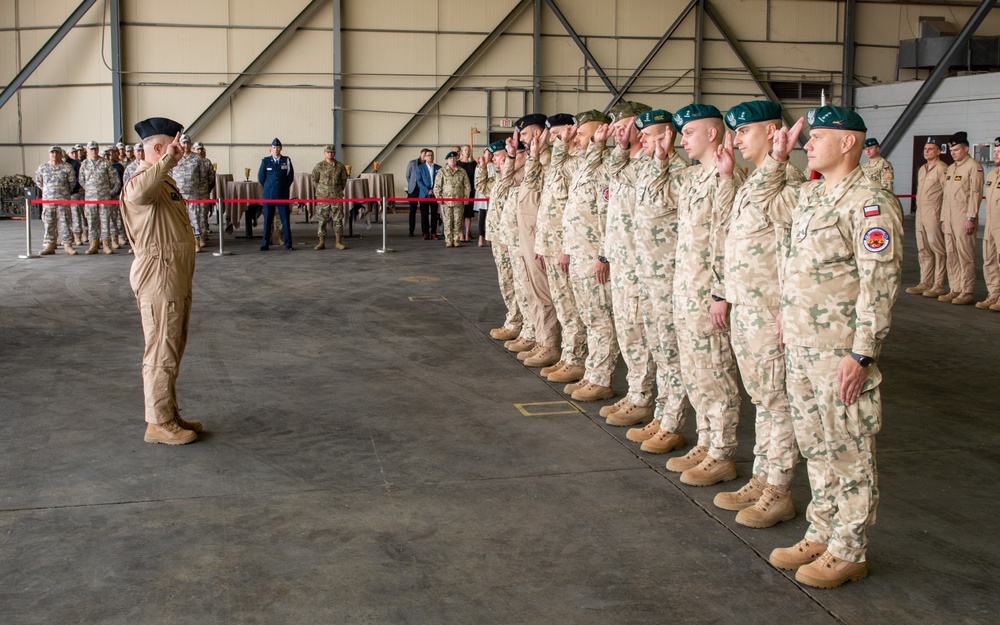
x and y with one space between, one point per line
603 260
864 361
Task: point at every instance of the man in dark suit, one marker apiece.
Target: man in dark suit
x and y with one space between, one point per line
426 174
276 174
412 190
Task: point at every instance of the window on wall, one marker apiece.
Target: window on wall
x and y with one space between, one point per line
800 89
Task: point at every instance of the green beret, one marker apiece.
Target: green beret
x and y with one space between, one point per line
836 117
752 112
651 117
871 142
452 154
593 115
625 109
693 112
497 146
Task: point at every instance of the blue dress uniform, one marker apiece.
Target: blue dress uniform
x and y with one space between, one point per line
276 175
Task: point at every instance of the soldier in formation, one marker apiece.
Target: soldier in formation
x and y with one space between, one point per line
56 179
452 182
195 179
329 177
100 183
877 168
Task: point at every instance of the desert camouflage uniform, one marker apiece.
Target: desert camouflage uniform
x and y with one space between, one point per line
584 223
330 179
100 182
56 183
549 243
492 188
195 180
879 171
930 242
77 211
452 182
627 302
657 185
707 363
963 190
129 172
840 280
511 179
752 289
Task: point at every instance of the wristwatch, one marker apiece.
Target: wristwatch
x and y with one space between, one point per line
603 260
864 361
970 219
716 298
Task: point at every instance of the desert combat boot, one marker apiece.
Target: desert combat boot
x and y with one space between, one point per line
504 334
593 392
799 554
607 411
774 506
630 414
520 344
663 441
742 498
542 357
567 373
688 461
169 433
829 571
547 371
710 471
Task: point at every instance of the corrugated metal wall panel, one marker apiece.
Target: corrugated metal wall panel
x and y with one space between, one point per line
215 12
77 59
54 12
8 56
46 118
195 50
804 20
264 12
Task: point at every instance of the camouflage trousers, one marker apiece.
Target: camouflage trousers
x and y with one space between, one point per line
521 294
57 217
761 361
574 335
334 214
193 211
119 224
593 302
101 221
505 278
627 305
77 213
709 372
658 319
838 443
451 218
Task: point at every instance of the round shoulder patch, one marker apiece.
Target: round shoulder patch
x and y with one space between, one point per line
607 195
876 239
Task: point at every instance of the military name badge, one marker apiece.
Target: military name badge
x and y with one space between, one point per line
872 210
876 240
606 194
957 178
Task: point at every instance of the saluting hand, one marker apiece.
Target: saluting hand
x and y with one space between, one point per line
175 149
665 145
784 141
725 159
602 133
622 136
482 161
512 143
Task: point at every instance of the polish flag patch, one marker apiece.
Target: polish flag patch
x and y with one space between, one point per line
872 210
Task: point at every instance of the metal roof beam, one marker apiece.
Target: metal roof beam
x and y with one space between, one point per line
41 55
583 47
258 63
937 74
445 87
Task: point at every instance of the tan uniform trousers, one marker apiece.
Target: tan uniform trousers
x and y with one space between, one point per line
761 361
960 252
593 301
628 305
658 319
543 312
165 319
838 443
505 279
451 216
574 334
930 247
520 271
709 372
991 270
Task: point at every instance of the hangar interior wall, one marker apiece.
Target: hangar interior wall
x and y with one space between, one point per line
178 56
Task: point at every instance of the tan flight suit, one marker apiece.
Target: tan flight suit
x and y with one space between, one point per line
991 235
161 237
930 242
963 189
543 311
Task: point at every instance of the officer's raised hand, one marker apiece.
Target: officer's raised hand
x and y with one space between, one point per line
784 141
725 159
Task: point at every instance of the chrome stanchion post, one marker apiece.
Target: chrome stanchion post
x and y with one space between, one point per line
218 210
385 235
30 193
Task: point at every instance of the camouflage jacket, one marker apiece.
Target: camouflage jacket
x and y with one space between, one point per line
657 186
194 177
452 182
555 192
511 179
586 211
329 179
99 179
842 271
619 243
55 181
754 242
702 214
129 172
880 172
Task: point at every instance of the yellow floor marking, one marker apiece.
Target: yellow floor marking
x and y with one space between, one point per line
569 408
419 279
427 298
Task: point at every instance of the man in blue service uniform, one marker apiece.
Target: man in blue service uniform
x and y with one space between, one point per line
276 174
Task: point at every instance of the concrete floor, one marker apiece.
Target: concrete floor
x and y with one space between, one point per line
365 461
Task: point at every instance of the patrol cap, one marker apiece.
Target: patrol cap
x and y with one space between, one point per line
330 149
276 142
959 138
559 119
835 117
871 142
92 145
120 145
76 147
625 109
651 117
157 126
197 146
185 139
693 112
534 119
452 154
593 115
752 112
497 146
55 148
139 148
128 148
